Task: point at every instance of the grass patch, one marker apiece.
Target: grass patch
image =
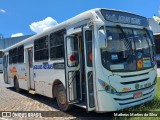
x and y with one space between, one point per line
153 105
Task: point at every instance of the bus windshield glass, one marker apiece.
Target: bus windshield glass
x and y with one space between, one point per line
127 49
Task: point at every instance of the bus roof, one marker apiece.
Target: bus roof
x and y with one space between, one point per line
82 16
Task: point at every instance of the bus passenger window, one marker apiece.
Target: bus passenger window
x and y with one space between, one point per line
57 45
21 54
10 56
41 49
15 55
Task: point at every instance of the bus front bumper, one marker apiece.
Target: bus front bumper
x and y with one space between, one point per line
113 102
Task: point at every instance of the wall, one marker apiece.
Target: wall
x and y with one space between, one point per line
154 25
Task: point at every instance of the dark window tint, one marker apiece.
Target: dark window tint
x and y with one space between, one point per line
30 57
152 37
88 36
21 54
10 57
1 54
57 44
90 89
14 55
41 49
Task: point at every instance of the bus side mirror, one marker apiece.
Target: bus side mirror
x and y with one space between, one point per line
102 39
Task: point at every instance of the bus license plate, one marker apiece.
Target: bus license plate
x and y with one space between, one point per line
137 95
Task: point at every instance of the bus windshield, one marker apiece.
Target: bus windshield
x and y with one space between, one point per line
127 49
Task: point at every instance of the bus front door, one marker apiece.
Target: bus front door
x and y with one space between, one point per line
79 69
88 68
72 69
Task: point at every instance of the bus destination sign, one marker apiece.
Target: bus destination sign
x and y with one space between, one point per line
123 17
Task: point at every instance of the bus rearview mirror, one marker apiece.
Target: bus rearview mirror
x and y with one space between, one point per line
102 39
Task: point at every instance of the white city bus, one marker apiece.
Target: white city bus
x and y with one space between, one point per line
1 60
102 60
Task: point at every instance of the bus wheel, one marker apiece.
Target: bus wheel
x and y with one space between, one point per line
62 98
16 85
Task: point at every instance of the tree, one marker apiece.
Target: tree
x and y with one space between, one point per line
157 18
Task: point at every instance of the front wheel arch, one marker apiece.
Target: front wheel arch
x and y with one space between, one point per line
61 98
55 86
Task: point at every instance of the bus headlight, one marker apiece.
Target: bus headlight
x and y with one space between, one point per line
155 81
107 87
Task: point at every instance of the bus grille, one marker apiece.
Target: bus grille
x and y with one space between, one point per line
124 76
130 100
135 101
131 82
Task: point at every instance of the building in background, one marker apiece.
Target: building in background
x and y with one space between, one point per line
155 25
7 42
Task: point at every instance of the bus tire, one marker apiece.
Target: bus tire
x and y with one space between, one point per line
62 98
16 85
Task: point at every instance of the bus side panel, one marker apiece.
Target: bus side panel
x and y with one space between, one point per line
21 76
10 76
57 73
45 77
18 71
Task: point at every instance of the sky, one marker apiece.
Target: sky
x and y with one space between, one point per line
25 17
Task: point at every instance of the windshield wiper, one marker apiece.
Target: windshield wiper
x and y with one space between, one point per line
148 35
151 42
126 42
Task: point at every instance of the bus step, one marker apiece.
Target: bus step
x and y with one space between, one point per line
82 105
32 91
